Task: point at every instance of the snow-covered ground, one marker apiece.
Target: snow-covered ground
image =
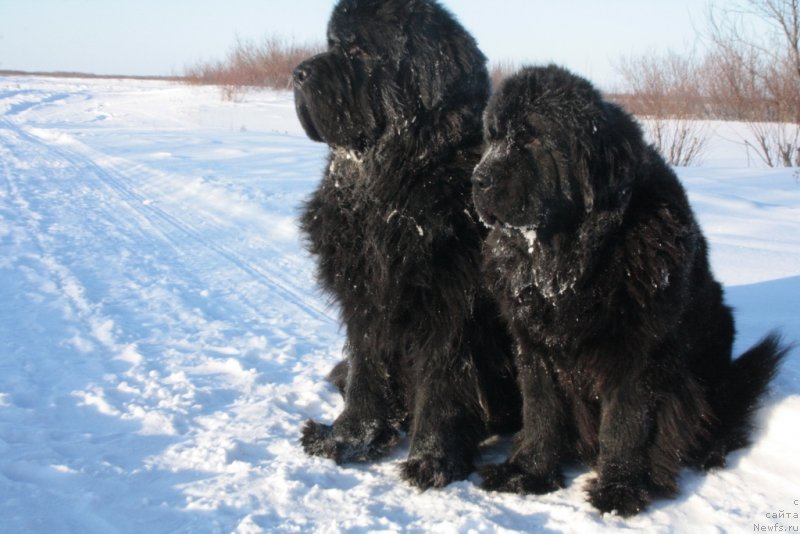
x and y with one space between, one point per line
162 339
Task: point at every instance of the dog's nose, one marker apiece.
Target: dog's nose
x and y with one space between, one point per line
301 74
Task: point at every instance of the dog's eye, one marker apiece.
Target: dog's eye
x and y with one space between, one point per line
356 51
534 142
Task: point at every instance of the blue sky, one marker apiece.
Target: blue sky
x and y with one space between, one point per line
164 36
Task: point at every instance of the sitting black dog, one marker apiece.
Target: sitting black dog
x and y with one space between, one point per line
399 97
624 342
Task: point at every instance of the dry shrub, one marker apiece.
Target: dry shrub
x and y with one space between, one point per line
753 73
664 92
250 64
750 73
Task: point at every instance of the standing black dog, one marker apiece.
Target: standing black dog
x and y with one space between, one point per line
399 97
623 339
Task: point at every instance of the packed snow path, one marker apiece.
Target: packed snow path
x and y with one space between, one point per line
162 339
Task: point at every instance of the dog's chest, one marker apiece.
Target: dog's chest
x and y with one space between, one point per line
362 210
368 238
542 295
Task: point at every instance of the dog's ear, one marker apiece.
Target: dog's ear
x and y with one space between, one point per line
450 66
621 149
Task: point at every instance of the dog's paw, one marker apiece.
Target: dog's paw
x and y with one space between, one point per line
317 440
429 471
510 478
713 458
625 498
336 443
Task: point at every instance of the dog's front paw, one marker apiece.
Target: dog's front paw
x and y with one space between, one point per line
428 471
317 440
344 445
510 478
625 498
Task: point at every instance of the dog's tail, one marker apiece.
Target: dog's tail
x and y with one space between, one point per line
739 392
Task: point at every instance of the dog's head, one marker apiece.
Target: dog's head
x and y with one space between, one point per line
555 152
391 65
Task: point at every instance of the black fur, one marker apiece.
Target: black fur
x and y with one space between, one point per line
623 339
398 96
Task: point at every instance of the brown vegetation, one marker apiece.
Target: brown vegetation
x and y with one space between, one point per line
666 94
250 64
754 73
749 73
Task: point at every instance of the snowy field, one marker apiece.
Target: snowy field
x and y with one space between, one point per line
162 339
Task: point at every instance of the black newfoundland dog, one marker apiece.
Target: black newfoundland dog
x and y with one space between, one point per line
623 339
399 97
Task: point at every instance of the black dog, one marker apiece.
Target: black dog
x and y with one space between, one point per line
399 97
624 343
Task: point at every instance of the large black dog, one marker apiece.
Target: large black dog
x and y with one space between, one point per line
624 342
399 97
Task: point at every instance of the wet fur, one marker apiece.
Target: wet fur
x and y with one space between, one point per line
398 97
623 338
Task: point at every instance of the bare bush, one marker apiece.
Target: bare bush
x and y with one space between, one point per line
753 73
250 64
750 73
665 93
776 143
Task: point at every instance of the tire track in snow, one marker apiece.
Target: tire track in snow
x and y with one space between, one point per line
21 105
116 175
119 249
132 217
84 329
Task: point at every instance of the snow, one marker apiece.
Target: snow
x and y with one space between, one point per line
162 339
